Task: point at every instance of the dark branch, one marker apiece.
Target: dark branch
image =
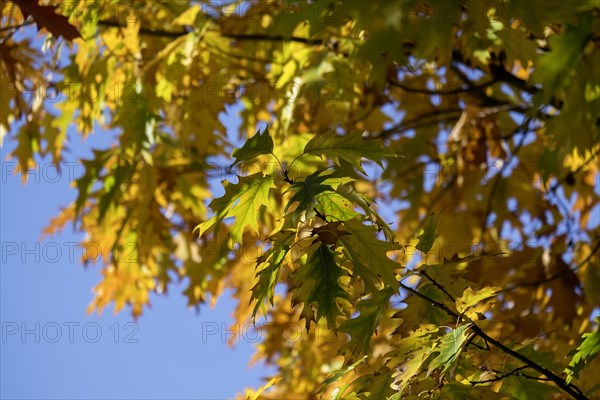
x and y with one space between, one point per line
437 284
570 175
273 38
146 31
557 275
571 389
436 116
515 372
500 377
240 37
15 27
468 89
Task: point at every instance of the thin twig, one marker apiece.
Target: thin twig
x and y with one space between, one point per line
500 377
470 88
145 31
437 284
569 388
15 27
568 176
436 116
273 38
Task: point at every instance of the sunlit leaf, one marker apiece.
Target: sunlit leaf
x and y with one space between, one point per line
351 147
260 143
587 350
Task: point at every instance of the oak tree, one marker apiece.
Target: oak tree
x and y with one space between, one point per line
414 183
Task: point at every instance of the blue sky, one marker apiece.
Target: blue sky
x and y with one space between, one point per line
51 349
72 355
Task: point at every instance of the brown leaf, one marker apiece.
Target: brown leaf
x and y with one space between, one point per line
7 59
494 136
475 151
565 298
329 233
46 17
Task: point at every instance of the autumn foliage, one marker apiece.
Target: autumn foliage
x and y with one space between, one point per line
414 183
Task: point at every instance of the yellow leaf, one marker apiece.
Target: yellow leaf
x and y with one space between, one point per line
471 297
188 16
272 381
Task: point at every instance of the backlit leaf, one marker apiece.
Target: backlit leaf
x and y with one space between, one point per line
427 238
260 143
318 284
351 147
587 350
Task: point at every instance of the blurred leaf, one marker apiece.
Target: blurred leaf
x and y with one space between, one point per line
46 17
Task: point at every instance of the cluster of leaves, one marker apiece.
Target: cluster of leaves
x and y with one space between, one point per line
484 117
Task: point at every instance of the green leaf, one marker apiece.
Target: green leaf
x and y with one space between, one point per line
113 189
318 283
553 68
521 388
93 169
363 247
471 297
270 264
306 194
336 206
242 201
450 347
378 385
587 350
457 391
205 226
544 358
427 238
359 200
361 328
413 362
351 147
260 143
339 373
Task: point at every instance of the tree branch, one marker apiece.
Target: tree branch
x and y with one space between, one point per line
15 27
145 31
274 38
241 37
571 389
516 372
441 92
419 121
437 284
570 175
557 275
499 377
